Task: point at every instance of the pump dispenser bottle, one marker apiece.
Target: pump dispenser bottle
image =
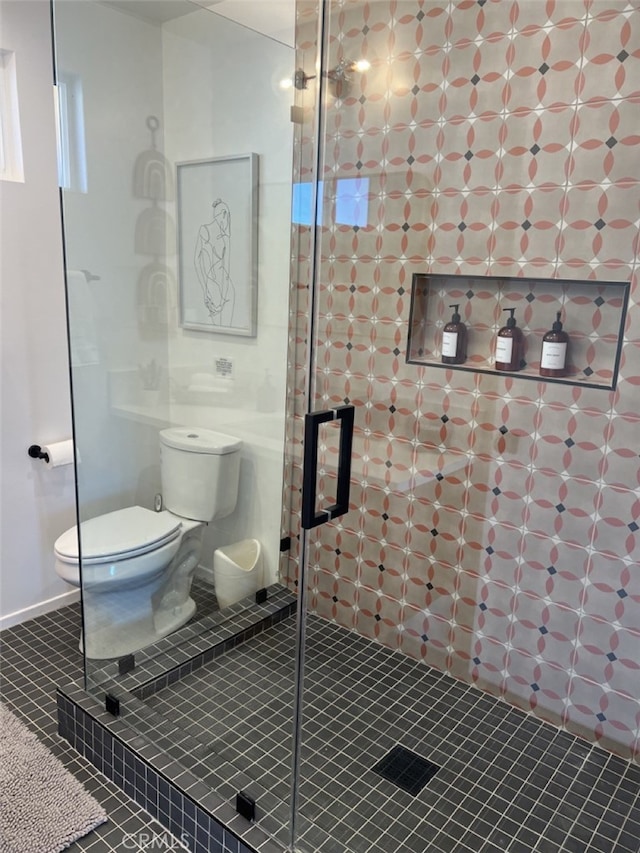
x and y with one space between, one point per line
553 359
510 345
454 340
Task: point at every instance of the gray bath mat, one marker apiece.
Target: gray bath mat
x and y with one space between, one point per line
43 808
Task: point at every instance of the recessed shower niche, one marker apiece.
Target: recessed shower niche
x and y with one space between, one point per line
592 312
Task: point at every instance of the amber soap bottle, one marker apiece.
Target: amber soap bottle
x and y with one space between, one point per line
555 345
454 340
509 345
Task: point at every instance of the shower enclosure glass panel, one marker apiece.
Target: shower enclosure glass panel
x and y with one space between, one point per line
377 581
453 142
176 153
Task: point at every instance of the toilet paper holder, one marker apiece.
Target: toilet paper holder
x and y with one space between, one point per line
36 452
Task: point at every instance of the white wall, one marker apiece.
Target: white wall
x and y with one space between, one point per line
36 504
227 100
119 59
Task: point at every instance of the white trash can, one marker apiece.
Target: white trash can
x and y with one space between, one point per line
237 571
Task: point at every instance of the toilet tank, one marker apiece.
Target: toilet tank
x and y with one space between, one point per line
200 470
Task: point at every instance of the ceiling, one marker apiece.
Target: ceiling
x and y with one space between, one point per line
154 11
274 18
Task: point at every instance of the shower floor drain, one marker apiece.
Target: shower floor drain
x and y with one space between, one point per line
406 769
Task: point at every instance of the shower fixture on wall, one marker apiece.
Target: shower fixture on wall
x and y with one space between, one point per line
339 77
301 80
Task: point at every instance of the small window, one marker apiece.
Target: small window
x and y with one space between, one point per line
72 162
11 168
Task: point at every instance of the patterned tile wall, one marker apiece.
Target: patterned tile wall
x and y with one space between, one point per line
495 522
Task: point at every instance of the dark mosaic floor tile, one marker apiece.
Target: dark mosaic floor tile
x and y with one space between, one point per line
504 778
506 781
35 657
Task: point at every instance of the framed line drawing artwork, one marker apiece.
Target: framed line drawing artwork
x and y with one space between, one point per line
217 209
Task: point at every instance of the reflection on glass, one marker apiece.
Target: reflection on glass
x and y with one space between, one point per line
350 196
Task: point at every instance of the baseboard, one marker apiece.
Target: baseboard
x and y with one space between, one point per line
47 606
205 573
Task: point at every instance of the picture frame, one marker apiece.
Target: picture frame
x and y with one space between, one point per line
217 236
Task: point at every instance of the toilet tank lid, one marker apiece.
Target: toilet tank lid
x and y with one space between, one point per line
198 440
133 529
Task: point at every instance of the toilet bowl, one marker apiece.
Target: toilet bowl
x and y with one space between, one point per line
137 565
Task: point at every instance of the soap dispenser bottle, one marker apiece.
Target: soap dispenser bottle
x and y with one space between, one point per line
553 359
510 345
454 340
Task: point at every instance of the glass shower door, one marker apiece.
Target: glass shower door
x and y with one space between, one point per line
456 141
176 156
369 238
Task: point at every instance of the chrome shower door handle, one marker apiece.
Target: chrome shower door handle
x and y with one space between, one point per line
311 517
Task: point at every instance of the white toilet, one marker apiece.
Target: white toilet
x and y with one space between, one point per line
137 565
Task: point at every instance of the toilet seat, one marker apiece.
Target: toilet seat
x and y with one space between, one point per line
120 535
